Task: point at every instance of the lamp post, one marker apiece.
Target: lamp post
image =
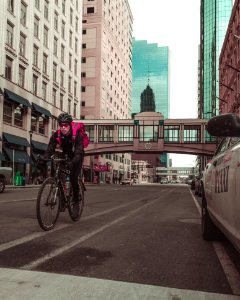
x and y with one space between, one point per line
30 154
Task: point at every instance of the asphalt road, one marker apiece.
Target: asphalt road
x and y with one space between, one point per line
141 236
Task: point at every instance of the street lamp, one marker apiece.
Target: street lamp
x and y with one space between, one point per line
30 167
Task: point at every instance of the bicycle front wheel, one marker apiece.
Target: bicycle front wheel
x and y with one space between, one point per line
48 204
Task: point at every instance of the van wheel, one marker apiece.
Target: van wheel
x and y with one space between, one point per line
209 230
2 185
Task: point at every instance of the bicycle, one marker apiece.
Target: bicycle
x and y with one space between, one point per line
53 197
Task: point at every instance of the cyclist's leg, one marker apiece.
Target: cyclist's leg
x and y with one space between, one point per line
75 172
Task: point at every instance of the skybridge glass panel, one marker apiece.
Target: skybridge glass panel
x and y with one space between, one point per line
171 133
105 133
192 133
209 138
90 131
148 133
125 133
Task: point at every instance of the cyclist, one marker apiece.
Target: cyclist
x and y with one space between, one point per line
72 145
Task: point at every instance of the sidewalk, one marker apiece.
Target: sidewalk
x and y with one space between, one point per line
25 285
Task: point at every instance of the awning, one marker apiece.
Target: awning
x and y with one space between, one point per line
39 146
13 139
2 157
17 156
42 110
17 98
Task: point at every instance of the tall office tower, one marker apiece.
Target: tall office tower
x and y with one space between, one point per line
150 65
106 60
39 62
215 16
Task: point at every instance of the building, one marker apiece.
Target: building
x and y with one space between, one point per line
147 100
150 65
40 74
229 65
215 16
106 75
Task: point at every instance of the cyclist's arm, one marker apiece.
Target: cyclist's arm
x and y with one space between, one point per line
51 146
78 152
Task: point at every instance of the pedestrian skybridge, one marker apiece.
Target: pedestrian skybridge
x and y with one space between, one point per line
149 132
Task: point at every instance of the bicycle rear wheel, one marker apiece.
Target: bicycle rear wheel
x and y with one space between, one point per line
76 218
48 204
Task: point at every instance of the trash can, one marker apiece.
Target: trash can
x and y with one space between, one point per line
18 179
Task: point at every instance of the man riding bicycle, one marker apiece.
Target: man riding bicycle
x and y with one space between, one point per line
72 140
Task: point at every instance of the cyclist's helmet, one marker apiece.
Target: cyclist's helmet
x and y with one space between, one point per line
64 118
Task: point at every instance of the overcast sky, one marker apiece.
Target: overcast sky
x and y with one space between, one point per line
175 24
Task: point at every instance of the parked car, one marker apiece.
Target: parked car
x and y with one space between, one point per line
220 182
5 177
127 181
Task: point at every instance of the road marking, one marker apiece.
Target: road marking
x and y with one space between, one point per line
21 200
229 269
82 239
33 236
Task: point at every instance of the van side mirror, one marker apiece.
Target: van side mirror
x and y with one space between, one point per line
224 125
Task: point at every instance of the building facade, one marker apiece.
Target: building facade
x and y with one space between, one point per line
229 65
214 18
40 74
106 75
150 66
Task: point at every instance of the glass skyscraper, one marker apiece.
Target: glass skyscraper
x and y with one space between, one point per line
215 16
150 66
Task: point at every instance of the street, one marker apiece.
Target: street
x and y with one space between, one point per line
148 235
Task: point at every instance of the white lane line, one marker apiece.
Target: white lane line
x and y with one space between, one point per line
21 200
63 249
229 268
33 236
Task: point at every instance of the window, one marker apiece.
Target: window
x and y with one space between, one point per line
37 4
8 68
70 38
125 133
36 27
54 71
22 44
69 106
76 46
55 46
83 60
7 111
56 21
34 84
148 133
83 74
44 68
69 84
63 30
9 40
61 101
75 67
84 31
62 78
54 96
76 24
11 6
38 122
46 9
75 89
83 103
84 46
62 53
70 62
35 55
74 110
45 36
21 76
171 133
105 133
44 90
71 16
18 115
23 14
41 124
83 89
90 10
63 6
